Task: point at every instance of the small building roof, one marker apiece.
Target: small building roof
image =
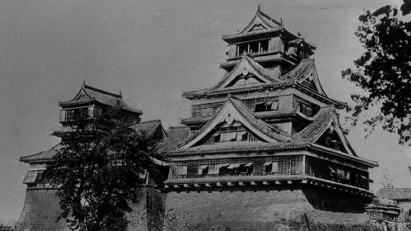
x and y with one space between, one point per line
150 128
43 156
88 94
397 194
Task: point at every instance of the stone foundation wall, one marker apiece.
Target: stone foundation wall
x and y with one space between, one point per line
148 213
226 210
264 210
40 211
248 210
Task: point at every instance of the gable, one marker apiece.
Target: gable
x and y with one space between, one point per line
312 81
257 26
245 73
259 22
242 80
234 121
331 139
310 84
82 95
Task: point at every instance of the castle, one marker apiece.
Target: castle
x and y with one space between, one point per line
265 150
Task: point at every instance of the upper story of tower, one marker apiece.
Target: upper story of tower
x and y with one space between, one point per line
87 104
271 44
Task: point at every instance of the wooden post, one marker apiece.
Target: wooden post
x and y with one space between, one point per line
304 165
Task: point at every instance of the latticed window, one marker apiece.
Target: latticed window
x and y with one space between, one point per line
205 110
76 114
230 136
305 107
253 47
262 104
289 165
181 171
271 167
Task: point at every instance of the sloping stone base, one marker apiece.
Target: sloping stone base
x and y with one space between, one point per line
148 213
40 211
263 210
266 210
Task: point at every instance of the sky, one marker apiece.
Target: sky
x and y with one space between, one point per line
152 51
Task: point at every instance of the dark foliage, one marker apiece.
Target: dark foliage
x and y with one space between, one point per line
384 69
99 169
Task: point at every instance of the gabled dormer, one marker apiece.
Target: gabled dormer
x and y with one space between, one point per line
235 123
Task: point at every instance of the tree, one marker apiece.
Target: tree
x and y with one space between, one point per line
98 169
384 70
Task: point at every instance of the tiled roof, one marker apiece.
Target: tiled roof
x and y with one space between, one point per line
260 125
42 156
268 22
305 139
315 129
175 135
395 193
92 94
254 65
267 129
236 147
148 127
299 72
292 78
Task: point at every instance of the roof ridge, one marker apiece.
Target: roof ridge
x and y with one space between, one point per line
85 86
267 16
324 114
148 121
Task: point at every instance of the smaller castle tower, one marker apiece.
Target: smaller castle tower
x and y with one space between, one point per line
41 207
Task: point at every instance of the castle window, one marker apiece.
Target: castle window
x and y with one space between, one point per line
182 170
202 170
76 114
242 136
222 169
263 46
234 166
207 112
228 136
205 109
271 167
31 177
267 106
246 169
305 107
254 47
242 48
213 169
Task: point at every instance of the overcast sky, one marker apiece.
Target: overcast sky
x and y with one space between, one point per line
152 51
